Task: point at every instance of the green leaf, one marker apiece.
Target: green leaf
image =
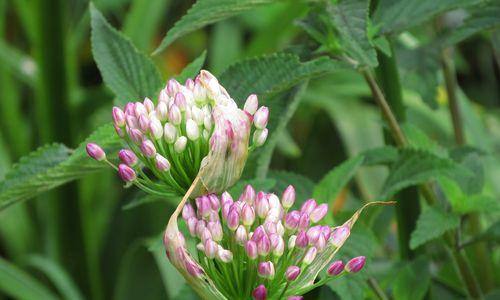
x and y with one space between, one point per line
413 280
258 184
303 185
127 72
396 16
20 64
191 70
142 198
417 166
462 203
205 12
18 284
57 276
350 19
53 165
333 182
432 223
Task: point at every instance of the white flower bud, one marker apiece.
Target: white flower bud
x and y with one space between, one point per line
180 144
155 128
198 115
192 131
162 111
260 137
169 133
251 104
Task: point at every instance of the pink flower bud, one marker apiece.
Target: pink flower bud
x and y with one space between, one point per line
278 245
295 298
169 133
292 273
203 205
274 201
143 123
335 268
180 144
180 101
247 215
320 243
148 148
280 229
325 229
248 195
174 115
292 220
233 219
302 239
127 157
215 229
251 104
318 213
188 212
132 121
211 248
264 246
266 269
310 255
126 173
119 131
260 293
308 206
288 197
241 235
214 202
156 128
313 234
193 269
173 86
261 205
291 241
260 118
270 227
224 255
226 197
355 264
162 163
226 208
189 84
129 109
118 117
191 224
135 135
251 249
304 221
258 233
200 227
162 111
140 109
148 104
95 151
205 235
260 137
339 235
192 131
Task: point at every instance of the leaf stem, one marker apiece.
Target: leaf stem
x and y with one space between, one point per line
373 283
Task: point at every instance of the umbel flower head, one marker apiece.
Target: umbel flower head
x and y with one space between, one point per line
257 247
194 129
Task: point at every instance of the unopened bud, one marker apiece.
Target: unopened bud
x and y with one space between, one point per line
224 255
292 273
126 173
241 235
211 248
310 255
266 269
308 206
260 137
259 293
288 197
355 264
180 144
118 117
335 268
339 235
162 163
148 148
192 131
318 213
95 151
251 104
174 114
148 104
156 128
169 133
247 215
260 118
251 249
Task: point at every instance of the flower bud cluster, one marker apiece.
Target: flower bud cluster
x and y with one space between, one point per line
258 242
168 141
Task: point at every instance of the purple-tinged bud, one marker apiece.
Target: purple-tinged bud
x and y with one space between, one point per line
162 163
318 213
292 220
143 123
198 115
214 216
233 219
205 235
226 208
180 101
119 131
203 205
226 197
191 224
274 215
248 195
291 241
258 233
140 109
214 202
260 293
320 243
247 215
180 144
162 111
126 173
169 133
280 229
118 116
148 104
95 151
156 128
302 240
339 235
260 137
173 87
278 246
288 197
129 109
193 269
310 256
270 227
325 229
335 268
355 264
261 205
224 255
132 121
174 114
251 104
313 234
308 206
241 235
215 229
163 96
260 118
292 273
211 248
200 227
274 201
189 84
188 212
135 135
266 269
295 298
148 148
192 131
264 246
251 249
304 221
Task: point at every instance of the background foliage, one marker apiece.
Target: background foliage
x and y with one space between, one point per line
325 68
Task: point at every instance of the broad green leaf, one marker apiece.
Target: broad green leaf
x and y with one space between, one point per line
381 155
350 19
191 70
332 183
57 276
303 185
186 293
18 284
397 16
462 203
413 280
53 165
417 166
432 223
226 44
127 72
205 12
287 146
265 184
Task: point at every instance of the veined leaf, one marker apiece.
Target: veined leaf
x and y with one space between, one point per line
18 284
432 223
303 185
396 16
127 72
205 12
413 280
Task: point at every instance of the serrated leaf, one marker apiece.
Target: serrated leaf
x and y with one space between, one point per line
350 19
205 12
413 280
462 203
432 223
127 72
18 284
191 70
396 16
333 182
53 165
303 185
417 166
